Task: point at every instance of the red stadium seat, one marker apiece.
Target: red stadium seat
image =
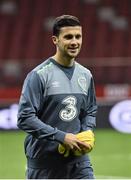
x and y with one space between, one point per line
25 37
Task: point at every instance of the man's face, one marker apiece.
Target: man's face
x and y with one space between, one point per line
69 41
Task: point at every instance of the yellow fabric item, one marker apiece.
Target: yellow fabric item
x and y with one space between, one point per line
85 136
63 150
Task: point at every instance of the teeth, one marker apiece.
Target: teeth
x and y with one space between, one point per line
73 48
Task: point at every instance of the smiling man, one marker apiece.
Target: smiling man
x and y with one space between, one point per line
58 108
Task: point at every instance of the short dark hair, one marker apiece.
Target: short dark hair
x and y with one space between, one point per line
63 21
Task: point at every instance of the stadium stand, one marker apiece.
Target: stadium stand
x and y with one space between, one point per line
106 33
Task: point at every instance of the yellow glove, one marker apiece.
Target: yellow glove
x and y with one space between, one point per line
87 137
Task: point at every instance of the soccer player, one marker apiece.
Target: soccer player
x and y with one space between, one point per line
58 102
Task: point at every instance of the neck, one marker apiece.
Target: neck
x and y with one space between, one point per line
64 61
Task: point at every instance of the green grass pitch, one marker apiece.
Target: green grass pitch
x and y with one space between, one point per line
111 157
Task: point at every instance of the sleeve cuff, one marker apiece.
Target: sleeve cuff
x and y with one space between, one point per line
59 136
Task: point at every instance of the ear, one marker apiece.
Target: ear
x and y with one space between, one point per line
55 39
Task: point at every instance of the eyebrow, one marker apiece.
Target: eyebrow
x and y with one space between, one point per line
71 35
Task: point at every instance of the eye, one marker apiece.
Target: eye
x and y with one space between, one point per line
78 36
69 36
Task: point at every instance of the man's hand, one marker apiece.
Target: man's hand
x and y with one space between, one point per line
71 142
88 138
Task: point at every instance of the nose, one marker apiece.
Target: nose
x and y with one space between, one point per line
74 41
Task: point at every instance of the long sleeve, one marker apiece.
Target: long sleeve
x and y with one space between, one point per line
89 119
30 104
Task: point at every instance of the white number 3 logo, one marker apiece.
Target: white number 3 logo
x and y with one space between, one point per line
70 110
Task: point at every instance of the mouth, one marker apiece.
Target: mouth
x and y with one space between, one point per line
73 49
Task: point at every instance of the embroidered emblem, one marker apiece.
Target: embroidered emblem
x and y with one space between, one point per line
83 84
55 84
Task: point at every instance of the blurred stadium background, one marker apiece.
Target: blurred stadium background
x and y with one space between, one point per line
25 40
